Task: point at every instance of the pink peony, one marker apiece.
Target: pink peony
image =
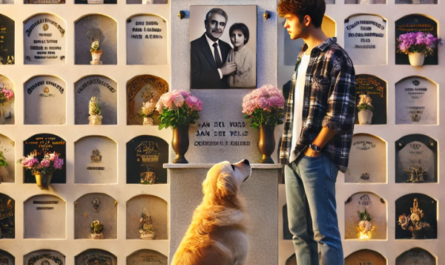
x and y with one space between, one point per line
194 103
167 100
45 163
8 93
266 98
29 162
184 93
178 100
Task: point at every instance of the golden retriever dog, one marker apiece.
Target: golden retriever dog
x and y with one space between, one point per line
217 234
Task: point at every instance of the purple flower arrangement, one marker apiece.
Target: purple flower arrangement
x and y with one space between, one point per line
419 42
48 165
264 106
178 108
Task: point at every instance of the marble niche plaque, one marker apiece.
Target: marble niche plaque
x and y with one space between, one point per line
40 144
45 100
7 115
141 89
376 89
367 161
95 28
416 217
7 38
95 1
292 47
365 257
365 2
45 40
95 257
416 159
416 101
95 160
416 256
6 258
151 206
91 207
7 217
359 205
146 257
416 23
44 1
145 158
45 217
416 1
44 257
147 2
147 40
365 39
104 89
7 174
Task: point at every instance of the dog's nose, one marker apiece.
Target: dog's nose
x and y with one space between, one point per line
246 162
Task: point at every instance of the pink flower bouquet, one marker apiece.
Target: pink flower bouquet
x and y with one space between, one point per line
178 108
264 106
419 42
47 165
5 93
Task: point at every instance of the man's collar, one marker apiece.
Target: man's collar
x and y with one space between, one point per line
210 41
323 46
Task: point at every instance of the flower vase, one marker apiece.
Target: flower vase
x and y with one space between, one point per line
2 116
266 143
147 121
97 236
365 2
147 2
95 119
147 236
416 59
43 180
415 1
95 55
180 143
365 117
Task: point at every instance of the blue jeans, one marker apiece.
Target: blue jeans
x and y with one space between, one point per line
311 207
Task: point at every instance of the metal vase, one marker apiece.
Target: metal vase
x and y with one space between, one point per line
180 143
43 180
266 143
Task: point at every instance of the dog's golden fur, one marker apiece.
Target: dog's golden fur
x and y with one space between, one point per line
217 234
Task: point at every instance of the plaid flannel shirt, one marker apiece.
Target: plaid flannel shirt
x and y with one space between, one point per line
329 101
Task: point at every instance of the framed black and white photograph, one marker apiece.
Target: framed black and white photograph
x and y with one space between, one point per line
223 46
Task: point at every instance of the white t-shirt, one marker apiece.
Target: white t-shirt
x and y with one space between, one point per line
298 103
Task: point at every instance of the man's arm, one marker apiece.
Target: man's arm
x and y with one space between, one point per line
322 139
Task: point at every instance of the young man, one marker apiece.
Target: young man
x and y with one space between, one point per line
317 135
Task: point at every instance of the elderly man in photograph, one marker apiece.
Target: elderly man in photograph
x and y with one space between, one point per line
209 54
316 141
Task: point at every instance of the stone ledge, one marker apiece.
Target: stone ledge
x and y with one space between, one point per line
209 165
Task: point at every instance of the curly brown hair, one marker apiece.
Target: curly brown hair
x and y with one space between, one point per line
313 8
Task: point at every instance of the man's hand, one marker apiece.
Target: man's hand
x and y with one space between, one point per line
311 153
228 68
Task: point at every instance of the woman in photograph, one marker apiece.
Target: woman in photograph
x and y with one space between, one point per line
244 76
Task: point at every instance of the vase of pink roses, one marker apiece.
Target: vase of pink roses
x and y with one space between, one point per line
178 109
5 95
264 107
42 170
417 46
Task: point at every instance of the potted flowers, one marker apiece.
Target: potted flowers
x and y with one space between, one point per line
96 36
146 227
365 227
264 108
147 111
3 163
5 95
365 109
96 230
95 112
178 109
43 170
417 46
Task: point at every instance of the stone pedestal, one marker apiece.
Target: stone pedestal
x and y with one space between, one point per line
260 191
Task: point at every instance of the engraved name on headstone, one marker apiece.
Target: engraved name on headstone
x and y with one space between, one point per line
365 39
416 23
95 256
45 40
45 100
416 159
416 101
44 257
367 161
38 145
7 40
365 257
45 220
44 1
6 258
104 89
146 40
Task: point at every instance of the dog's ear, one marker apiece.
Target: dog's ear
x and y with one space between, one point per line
226 186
